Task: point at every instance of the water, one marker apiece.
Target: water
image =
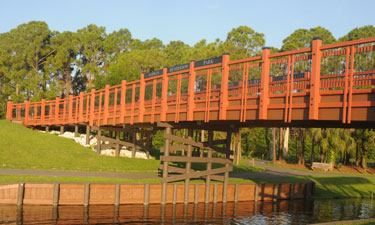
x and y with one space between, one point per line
280 212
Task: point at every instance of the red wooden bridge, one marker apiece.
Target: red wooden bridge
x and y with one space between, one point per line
330 85
321 86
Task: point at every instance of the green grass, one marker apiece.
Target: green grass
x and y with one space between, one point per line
22 148
68 179
317 171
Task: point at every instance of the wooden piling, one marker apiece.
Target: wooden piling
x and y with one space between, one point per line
165 167
87 134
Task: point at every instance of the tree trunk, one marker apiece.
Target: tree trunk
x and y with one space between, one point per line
321 155
68 84
17 89
281 131
357 155
363 160
312 151
267 141
286 143
303 145
274 145
299 148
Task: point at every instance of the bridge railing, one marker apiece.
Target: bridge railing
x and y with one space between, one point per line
269 86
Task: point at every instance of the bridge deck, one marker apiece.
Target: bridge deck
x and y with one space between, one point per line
330 85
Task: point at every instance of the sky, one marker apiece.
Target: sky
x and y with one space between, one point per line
193 20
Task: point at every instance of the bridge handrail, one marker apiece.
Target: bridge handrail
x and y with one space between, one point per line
99 105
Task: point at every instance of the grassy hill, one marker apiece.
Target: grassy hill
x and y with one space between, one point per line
22 148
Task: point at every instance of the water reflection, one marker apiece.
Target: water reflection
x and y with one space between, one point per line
280 212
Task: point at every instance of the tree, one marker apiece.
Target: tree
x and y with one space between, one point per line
28 47
244 42
359 33
90 45
62 63
302 38
176 53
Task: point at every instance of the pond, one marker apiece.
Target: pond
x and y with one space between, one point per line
280 212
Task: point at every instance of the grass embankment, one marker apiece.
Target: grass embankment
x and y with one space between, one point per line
22 148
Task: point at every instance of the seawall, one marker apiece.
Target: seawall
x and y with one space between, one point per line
121 194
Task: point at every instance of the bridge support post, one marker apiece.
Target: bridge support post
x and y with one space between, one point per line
224 88
76 133
106 104
165 166
142 87
118 147
87 134
99 141
27 112
264 84
70 110
123 102
191 103
9 110
315 79
188 167
92 107
57 110
43 111
134 150
81 100
164 95
62 130
226 174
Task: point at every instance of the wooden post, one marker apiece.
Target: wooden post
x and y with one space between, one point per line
70 110
226 174
106 104
188 167
118 147
209 167
76 133
87 135
134 150
81 107
164 95
224 87
57 110
191 103
9 110
117 195
256 192
92 107
86 195
21 189
62 130
142 87
27 108
165 167
264 84
56 191
43 112
146 194
315 79
123 101
99 141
